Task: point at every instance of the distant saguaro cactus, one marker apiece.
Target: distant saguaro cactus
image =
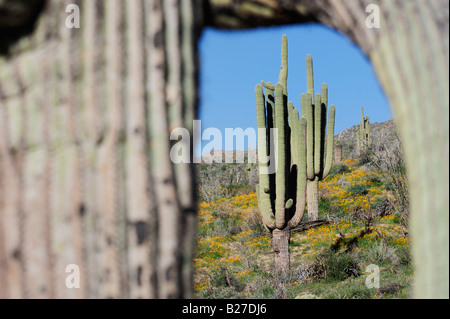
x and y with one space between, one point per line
281 195
318 153
363 133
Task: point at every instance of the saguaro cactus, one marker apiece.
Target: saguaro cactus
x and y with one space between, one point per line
319 154
363 133
281 195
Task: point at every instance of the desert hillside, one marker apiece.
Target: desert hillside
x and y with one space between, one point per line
362 204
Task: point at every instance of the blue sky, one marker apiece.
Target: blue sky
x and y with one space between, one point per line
233 62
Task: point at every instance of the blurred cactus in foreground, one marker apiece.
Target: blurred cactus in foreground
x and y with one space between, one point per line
86 177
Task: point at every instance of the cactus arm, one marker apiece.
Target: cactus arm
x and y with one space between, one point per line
317 135
268 219
268 85
309 76
270 96
270 100
295 142
324 94
260 117
291 106
270 121
292 123
289 203
307 105
264 202
330 141
301 171
302 108
284 64
280 177
323 132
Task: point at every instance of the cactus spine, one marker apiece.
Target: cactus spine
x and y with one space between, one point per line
363 133
319 146
281 194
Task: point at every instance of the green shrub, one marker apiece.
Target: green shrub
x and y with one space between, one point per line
364 158
379 253
389 186
327 206
375 180
227 226
338 168
206 230
350 290
222 180
357 189
382 206
253 221
225 278
404 255
336 266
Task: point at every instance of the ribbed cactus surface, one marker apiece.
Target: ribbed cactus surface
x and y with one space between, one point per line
319 137
281 160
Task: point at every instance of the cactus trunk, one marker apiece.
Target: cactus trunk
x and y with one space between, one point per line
313 199
280 246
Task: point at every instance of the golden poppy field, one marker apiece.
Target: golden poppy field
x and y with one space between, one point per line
362 253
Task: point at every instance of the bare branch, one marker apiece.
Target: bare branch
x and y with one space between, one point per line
310 224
